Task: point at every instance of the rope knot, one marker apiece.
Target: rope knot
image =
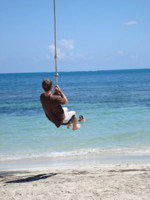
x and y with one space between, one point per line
56 75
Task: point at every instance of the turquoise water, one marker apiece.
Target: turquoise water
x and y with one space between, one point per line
116 105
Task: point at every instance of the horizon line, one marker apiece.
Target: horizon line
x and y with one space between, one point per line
75 71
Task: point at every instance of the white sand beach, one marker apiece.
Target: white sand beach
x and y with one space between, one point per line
94 182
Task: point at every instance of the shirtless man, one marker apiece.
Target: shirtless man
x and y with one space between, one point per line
51 104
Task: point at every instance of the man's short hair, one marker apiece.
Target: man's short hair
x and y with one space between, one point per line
47 84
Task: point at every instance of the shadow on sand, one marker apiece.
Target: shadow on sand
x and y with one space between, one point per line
32 178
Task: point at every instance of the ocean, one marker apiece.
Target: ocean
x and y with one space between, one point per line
115 104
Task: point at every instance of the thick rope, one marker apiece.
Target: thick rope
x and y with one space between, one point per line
55 57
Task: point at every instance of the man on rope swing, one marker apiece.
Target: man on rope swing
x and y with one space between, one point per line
51 104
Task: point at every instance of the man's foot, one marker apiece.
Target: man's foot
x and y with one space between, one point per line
77 127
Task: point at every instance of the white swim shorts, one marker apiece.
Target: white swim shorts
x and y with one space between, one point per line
69 116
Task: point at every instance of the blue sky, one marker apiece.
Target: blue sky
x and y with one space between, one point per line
91 35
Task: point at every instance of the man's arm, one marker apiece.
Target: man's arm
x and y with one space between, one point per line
63 96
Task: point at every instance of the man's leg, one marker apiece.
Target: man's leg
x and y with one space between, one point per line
68 116
69 125
75 125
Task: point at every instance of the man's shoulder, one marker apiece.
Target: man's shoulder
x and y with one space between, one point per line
50 97
55 97
42 96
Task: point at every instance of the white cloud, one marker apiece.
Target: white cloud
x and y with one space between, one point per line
60 53
108 57
51 48
133 57
35 59
77 55
130 23
120 52
68 44
65 50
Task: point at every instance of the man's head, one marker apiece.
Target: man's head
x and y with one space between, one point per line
47 85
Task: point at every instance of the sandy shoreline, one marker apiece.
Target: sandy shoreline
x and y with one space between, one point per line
106 182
